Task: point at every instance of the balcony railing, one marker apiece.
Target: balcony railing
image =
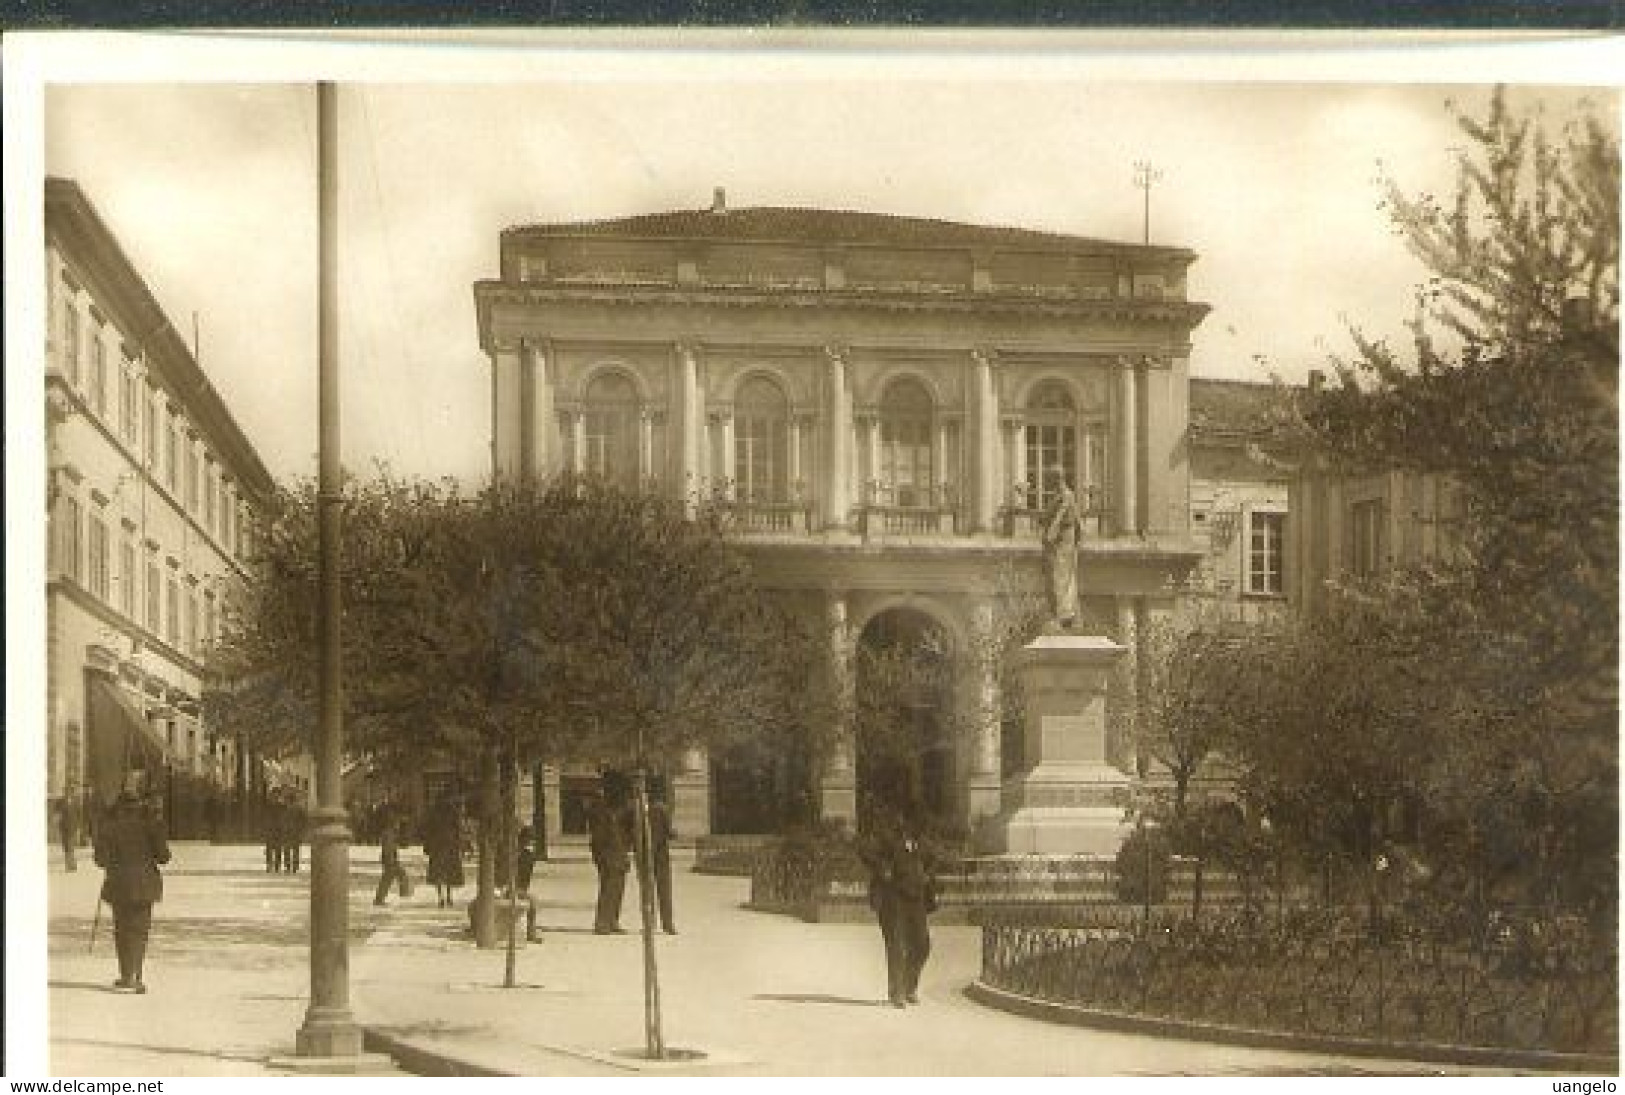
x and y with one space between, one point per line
889 510
789 518
1022 516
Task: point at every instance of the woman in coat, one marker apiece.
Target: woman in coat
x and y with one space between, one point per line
443 844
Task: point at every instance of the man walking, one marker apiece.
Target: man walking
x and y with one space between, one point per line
129 846
389 858
902 892
611 849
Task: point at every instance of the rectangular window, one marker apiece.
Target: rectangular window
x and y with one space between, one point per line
759 473
191 477
70 344
69 563
208 494
1366 555
190 638
225 515
208 619
172 609
127 410
97 542
905 460
1049 445
98 377
172 448
126 593
149 415
153 620
1266 540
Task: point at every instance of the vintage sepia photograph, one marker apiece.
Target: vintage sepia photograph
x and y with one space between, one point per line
812 556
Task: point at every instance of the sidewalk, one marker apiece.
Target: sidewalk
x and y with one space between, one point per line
758 994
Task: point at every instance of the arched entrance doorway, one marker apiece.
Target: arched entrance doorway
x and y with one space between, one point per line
904 717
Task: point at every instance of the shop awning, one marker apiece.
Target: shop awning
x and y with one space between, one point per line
121 739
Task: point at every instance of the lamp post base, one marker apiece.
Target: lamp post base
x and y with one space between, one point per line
328 1033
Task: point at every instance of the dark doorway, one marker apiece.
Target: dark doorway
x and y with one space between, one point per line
905 727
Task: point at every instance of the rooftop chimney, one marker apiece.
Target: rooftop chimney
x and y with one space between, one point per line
719 202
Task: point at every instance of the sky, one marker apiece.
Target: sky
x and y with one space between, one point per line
211 189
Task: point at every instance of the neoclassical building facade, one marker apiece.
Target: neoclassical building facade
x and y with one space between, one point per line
874 399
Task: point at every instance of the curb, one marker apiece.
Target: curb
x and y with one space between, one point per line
420 1061
1080 1016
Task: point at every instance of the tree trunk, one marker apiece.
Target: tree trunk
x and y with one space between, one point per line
490 797
654 1038
510 862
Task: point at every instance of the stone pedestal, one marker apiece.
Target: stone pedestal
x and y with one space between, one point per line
691 801
1071 800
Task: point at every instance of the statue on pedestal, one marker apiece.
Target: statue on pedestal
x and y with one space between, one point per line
1062 529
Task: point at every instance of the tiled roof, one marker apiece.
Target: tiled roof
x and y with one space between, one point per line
1234 408
799 225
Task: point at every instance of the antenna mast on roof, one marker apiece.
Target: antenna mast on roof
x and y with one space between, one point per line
1146 175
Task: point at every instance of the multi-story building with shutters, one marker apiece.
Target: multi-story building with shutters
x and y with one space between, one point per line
152 488
875 400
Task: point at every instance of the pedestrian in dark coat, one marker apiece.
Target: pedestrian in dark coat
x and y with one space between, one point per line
293 835
389 859
524 872
611 839
67 831
443 844
902 891
130 845
271 830
661 835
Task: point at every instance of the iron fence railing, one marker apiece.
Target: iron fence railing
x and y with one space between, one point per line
1264 975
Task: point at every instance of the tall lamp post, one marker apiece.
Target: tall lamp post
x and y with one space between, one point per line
329 1030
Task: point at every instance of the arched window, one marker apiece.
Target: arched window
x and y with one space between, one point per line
761 433
610 427
907 468
1051 440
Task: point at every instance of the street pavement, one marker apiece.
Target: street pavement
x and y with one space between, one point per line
756 993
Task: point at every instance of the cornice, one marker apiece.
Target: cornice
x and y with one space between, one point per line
1187 312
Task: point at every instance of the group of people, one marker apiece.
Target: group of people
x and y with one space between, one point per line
130 845
612 835
284 831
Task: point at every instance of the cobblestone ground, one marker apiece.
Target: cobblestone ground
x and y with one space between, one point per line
759 994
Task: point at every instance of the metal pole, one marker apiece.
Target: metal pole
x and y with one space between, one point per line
330 1030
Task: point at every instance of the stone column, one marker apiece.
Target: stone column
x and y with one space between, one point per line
985 441
690 425
728 472
578 442
691 795
793 465
543 424
986 714
645 445
838 797
505 412
837 411
1128 449
870 480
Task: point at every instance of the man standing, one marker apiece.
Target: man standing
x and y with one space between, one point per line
902 892
389 858
130 845
67 830
611 849
660 838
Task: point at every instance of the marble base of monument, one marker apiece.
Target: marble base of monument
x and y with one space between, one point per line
1071 801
